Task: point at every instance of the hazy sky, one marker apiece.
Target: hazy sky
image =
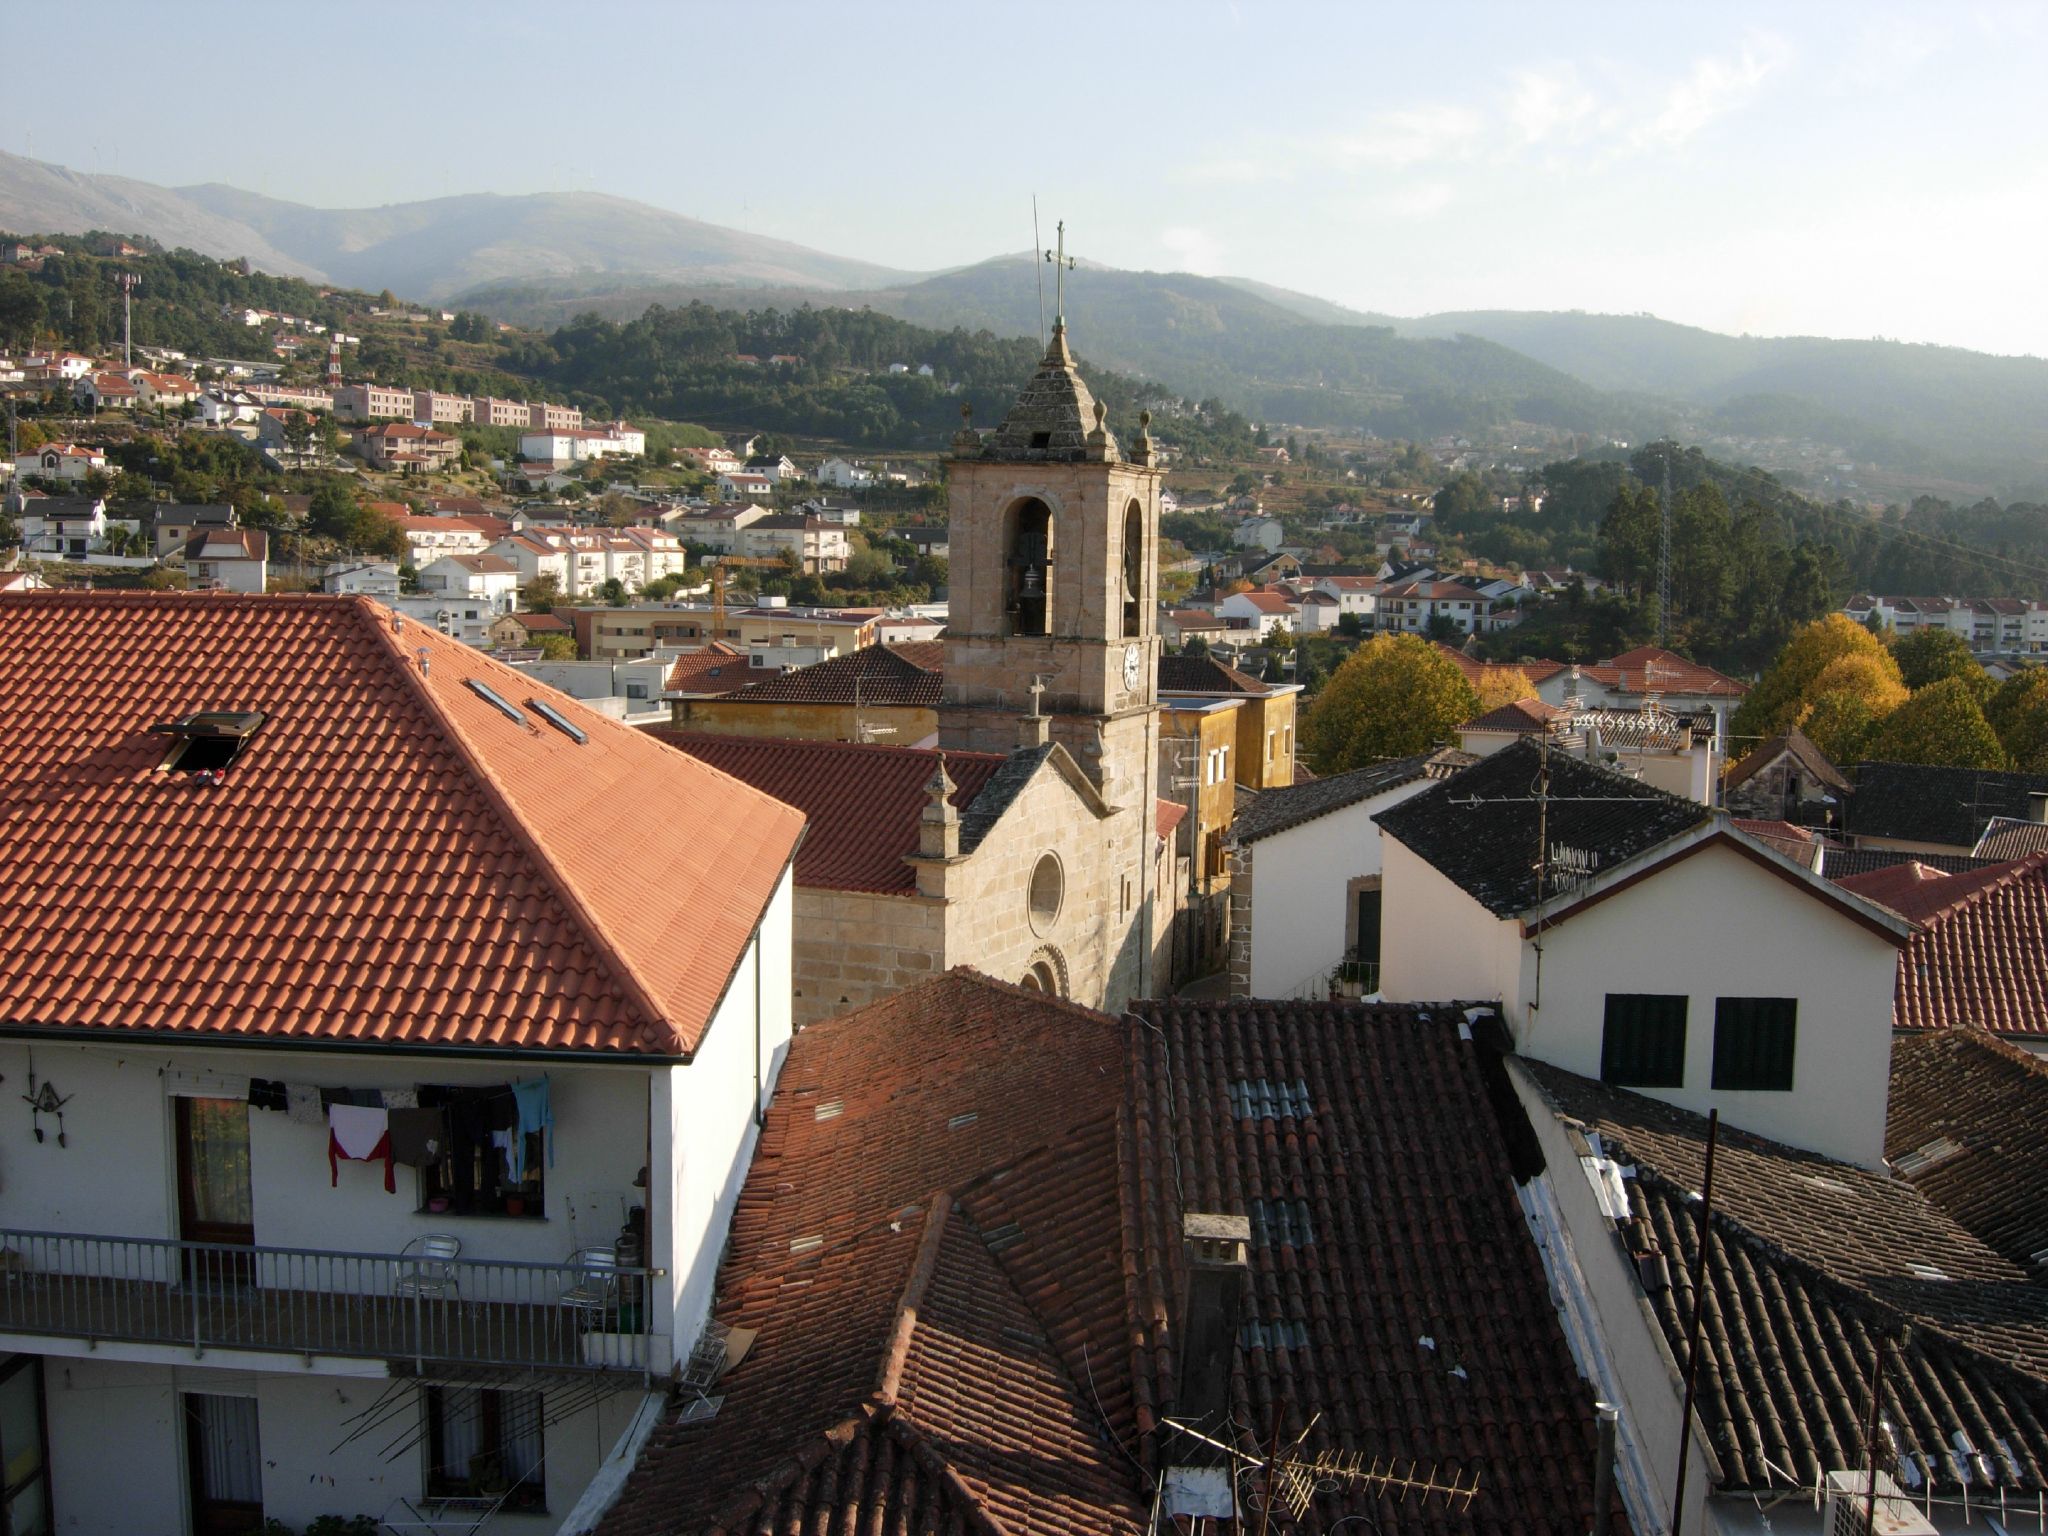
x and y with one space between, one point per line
1854 170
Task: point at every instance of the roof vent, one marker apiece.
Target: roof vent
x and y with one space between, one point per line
207 742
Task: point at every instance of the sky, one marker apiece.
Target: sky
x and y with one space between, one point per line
1841 170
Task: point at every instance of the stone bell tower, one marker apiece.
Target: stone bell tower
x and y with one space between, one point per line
1054 550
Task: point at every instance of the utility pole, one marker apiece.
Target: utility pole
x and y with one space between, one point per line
129 281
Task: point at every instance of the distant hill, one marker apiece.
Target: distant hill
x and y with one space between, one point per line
424 250
433 249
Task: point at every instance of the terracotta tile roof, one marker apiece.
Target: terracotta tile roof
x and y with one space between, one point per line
906 674
1362 1141
1803 751
1205 674
544 624
716 669
1794 841
1266 602
1524 717
1651 669
228 544
1914 802
1980 957
1264 812
2011 837
1812 1260
862 801
1166 815
1967 1124
390 860
982 1189
1479 829
901 1373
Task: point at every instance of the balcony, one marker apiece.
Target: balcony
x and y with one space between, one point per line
413 1310
1354 977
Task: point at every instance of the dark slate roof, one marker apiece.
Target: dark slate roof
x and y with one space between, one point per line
1813 1261
998 792
1276 810
1205 674
1917 803
1480 827
1802 750
1967 1124
1052 417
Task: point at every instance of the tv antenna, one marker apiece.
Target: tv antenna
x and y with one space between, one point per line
1290 1480
1062 264
1664 548
129 282
1040 271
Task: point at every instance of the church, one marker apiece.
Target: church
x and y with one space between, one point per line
1030 843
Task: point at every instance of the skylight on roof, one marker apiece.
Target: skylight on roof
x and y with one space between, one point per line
496 700
559 721
1927 1271
209 740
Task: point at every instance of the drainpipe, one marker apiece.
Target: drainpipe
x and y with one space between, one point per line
1603 1468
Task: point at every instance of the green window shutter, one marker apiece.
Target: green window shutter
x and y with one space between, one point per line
1755 1040
1642 1042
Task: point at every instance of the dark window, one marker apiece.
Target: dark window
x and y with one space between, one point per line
475 1178
24 1449
1642 1044
1754 1041
1133 570
482 1443
1368 944
1027 597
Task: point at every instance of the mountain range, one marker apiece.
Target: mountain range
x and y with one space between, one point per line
1941 414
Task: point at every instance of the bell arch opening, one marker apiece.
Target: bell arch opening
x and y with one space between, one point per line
1134 571
1027 567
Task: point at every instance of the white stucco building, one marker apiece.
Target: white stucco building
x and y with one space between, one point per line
329 948
1656 947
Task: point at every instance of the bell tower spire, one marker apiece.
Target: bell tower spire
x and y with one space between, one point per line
1055 536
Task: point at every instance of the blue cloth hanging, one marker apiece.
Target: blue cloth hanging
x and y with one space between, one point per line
535 1114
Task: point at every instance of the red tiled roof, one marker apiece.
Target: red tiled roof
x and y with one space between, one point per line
390 860
1266 602
905 674
544 624
1205 674
983 1191
1651 669
1980 957
1967 1124
1166 815
1522 716
862 801
1813 1261
903 1377
716 669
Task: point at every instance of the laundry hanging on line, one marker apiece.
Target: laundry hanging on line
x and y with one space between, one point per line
357 1133
536 1115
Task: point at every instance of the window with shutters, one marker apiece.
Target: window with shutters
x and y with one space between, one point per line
1642 1044
1755 1039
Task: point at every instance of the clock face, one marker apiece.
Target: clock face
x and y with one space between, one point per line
1134 661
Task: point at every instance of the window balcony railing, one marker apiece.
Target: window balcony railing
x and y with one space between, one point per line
421 1307
1355 977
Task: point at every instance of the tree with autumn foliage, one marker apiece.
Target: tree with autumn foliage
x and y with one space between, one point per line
1787 691
1845 703
1395 696
2018 712
1502 685
1942 725
1929 655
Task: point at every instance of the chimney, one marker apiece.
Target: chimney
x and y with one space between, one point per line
938 825
1216 1249
2037 807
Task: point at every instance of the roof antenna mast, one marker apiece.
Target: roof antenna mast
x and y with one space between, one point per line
1041 270
1664 549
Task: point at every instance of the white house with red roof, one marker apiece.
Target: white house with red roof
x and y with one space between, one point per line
59 461
1259 612
416 1096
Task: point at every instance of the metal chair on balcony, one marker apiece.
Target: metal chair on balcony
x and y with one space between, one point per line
426 1266
595 1289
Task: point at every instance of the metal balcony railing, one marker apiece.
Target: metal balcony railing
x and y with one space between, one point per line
1356 977
415 1308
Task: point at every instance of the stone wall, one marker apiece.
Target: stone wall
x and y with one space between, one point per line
892 726
855 947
